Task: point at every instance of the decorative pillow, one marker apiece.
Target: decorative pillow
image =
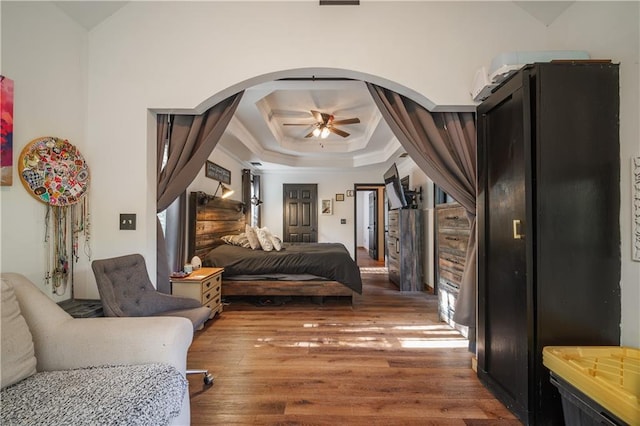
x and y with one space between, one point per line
18 357
239 240
264 236
252 237
277 242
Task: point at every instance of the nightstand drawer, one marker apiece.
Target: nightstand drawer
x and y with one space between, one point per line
211 283
211 294
204 285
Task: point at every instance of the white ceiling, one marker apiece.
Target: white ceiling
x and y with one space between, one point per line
265 108
257 133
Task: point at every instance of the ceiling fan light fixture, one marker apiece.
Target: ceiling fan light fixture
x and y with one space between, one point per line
316 132
324 132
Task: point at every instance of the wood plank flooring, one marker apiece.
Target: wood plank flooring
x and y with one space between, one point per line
386 360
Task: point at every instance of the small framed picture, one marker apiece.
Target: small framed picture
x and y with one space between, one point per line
349 192
327 207
339 197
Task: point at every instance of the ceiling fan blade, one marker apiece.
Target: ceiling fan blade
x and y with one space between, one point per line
318 116
338 132
347 121
309 135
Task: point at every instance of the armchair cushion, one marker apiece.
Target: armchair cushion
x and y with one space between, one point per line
126 291
18 356
148 394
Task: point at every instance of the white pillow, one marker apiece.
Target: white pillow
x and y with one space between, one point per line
264 236
277 242
17 354
252 237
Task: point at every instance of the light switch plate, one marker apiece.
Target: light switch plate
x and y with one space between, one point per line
128 221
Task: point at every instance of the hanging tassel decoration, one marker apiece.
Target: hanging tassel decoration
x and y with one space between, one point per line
60 253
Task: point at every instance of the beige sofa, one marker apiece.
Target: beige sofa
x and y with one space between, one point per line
63 345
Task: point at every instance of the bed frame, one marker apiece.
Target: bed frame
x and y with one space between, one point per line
212 218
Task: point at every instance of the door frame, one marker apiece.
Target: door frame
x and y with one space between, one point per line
381 219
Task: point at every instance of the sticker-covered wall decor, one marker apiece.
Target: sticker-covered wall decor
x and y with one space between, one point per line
53 171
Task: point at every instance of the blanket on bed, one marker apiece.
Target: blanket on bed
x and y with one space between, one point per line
328 260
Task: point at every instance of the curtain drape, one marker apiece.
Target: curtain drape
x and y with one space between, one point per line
191 138
443 145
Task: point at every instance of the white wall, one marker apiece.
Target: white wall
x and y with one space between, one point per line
184 55
329 184
45 53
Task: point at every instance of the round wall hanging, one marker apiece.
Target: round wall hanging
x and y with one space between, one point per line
53 171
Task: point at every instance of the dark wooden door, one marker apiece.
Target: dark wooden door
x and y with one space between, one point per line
506 297
373 225
300 208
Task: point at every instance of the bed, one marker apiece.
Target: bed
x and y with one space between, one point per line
299 269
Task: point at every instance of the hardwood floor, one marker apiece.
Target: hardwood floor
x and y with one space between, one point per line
386 360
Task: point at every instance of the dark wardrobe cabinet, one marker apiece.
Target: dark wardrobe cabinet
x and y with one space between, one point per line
548 227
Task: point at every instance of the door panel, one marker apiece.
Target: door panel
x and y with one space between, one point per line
300 219
373 225
506 303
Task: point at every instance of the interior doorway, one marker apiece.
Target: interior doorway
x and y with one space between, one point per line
370 225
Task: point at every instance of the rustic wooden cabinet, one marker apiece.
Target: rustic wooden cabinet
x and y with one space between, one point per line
548 227
452 238
204 285
404 248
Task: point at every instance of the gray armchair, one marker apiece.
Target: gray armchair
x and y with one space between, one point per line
126 291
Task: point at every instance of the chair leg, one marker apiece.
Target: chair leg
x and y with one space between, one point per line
208 377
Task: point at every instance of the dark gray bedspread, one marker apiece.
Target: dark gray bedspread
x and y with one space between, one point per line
328 260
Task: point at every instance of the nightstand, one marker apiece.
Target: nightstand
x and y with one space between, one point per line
204 285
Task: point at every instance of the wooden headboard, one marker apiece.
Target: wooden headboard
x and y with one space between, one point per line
210 219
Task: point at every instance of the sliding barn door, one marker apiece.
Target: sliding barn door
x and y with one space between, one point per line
300 213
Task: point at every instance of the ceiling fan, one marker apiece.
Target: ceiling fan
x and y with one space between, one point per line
325 124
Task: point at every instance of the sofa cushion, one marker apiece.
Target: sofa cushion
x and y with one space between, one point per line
17 352
146 394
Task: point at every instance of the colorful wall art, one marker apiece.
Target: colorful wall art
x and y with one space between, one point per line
6 131
53 171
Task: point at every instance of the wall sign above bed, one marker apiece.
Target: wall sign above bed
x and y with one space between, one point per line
214 171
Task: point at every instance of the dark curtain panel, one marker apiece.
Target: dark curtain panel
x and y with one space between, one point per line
257 211
443 145
175 234
191 139
246 195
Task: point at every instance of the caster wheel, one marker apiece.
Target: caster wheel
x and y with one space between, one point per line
208 379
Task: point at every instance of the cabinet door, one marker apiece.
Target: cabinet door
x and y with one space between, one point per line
505 313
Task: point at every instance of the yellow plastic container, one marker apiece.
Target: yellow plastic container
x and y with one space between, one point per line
609 375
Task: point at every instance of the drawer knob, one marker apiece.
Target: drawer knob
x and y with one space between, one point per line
452 217
452 238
